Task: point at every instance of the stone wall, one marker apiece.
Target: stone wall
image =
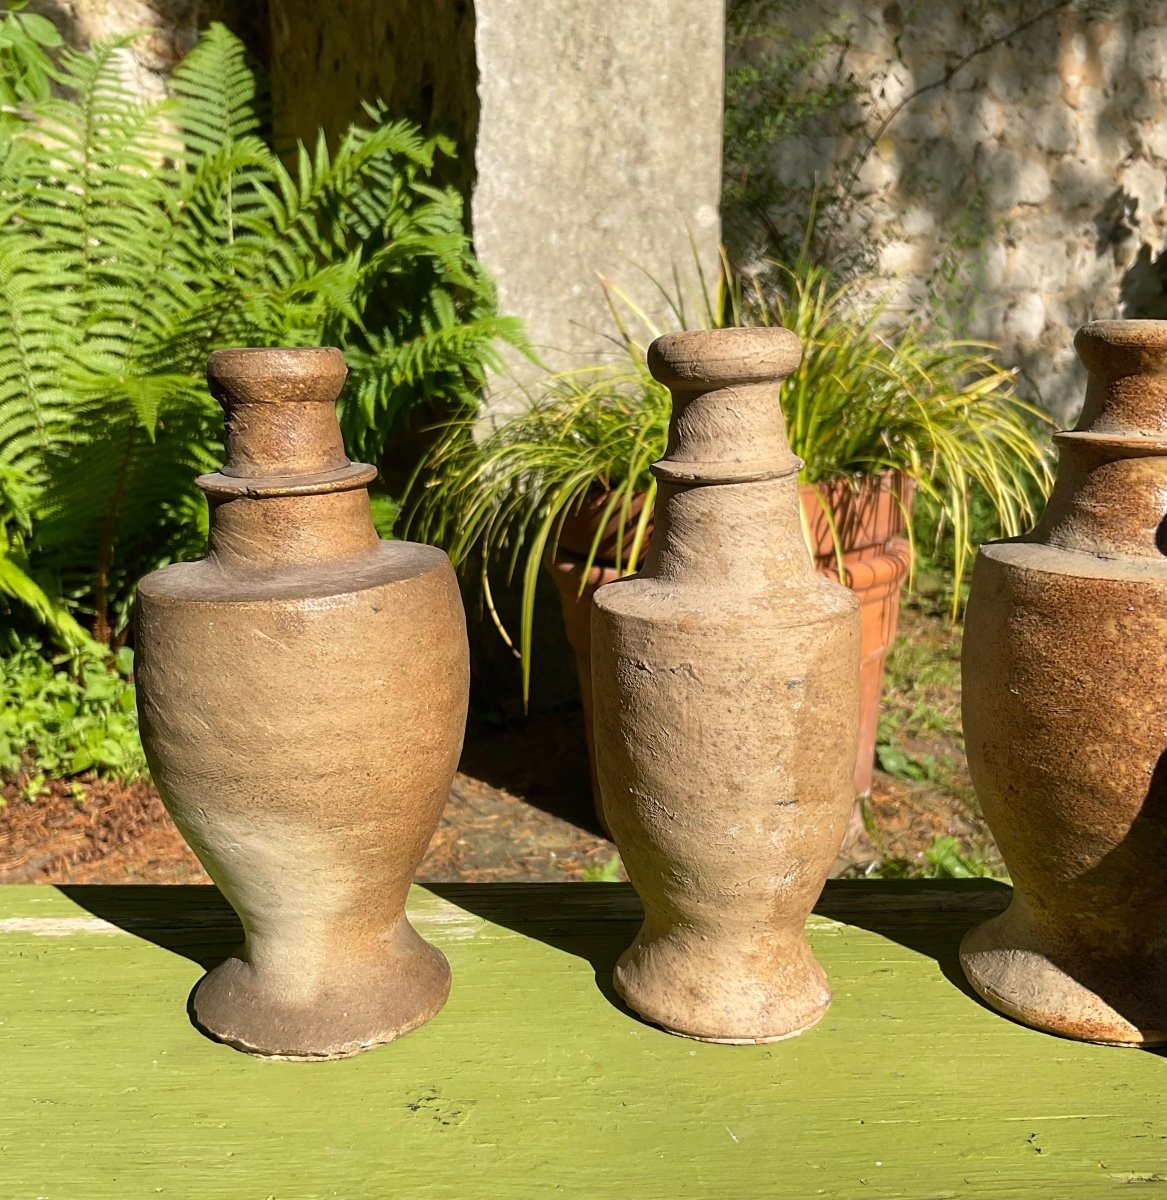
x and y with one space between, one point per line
1030 185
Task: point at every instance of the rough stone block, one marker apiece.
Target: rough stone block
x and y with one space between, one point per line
903 257
1054 129
937 171
1024 319
1011 179
169 28
918 222
879 172
1147 57
1145 182
984 119
1078 183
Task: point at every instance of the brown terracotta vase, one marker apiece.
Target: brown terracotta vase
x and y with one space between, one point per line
726 689
302 693
1065 717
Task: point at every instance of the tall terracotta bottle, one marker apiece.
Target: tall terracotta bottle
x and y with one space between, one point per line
725 680
302 693
1065 717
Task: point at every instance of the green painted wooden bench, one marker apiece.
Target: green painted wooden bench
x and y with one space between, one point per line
533 1082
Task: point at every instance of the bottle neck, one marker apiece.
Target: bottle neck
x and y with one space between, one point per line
726 435
294 521
290 531
292 438
287 495
746 535
1110 498
728 510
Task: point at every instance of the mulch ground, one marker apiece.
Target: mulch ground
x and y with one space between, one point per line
519 810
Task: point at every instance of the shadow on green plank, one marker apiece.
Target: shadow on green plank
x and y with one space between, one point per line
594 923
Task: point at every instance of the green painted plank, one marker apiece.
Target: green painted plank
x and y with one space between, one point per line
532 1083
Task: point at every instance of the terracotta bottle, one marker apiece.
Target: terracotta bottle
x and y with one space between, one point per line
302 693
726 688
1065 717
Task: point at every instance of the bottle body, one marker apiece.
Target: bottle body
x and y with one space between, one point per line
1065 718
302 693
725 683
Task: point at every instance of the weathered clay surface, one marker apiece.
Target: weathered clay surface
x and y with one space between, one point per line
302 693
1065 717
725 684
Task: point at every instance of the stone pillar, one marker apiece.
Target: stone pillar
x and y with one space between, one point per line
589 134
599 151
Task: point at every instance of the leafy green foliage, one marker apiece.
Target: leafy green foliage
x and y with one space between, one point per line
67 717
137 237
943 859
609 871
919 736
503 498
866 400
920 741
26 70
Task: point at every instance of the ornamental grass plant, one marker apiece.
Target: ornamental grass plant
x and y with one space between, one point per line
871 395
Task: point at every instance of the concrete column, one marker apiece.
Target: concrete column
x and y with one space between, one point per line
598 152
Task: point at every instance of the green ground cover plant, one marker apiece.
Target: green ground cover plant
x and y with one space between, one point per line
138 236
943 859
921 743
64 717
919 726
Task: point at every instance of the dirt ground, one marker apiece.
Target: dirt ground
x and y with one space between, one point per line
520 806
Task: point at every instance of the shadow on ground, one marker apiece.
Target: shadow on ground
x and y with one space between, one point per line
597 922
192 920
542 759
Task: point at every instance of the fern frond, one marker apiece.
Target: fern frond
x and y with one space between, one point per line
136 237
17 584
220 97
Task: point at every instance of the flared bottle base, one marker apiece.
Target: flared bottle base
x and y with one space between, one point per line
687 991
1107 1001
358 1009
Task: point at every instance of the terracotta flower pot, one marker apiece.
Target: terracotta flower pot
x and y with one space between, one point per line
1065 717
726 694
579 528
570 576
302 693
870 521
